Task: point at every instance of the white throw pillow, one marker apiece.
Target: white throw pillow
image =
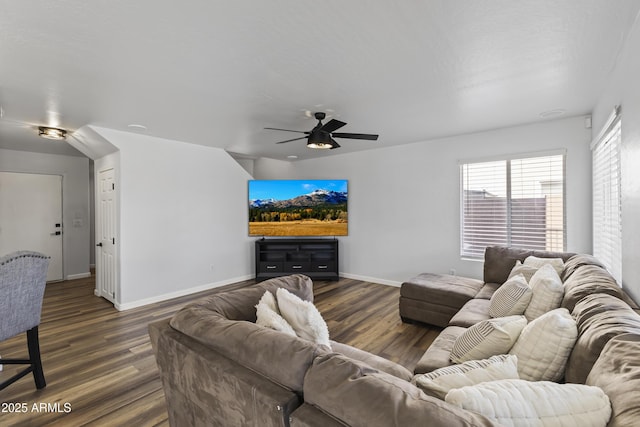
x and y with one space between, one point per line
548 291
438 383
487 338
544 346
270 301
536 262
523 403
303 316
526 270
511 298
269 318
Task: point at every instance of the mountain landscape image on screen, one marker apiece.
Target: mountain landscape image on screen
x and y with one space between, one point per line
312 208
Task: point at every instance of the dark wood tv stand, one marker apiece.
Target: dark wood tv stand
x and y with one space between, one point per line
317 258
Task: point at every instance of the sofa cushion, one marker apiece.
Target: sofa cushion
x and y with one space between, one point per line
359 395
487 290
587 280
577 261
438 355
439 382
599 317
511 298
617 372
526 270
544 403
376 362
544 346
474 311
303 317
537 262
547 292
487 338
442 289
268 316
239 304
500 260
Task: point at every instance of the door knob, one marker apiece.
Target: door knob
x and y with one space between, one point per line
99 244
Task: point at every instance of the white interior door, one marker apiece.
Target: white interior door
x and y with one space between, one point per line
106 222
31 216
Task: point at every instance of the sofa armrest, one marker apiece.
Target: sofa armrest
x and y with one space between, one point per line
202 387
376 362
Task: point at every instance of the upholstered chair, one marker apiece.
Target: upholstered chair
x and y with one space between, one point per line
23 276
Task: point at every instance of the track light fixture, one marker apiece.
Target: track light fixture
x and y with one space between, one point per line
52 133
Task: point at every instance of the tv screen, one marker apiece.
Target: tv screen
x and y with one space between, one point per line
310 207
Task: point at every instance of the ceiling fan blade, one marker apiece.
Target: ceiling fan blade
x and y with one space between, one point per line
289 130
289 140
334 144
332 125
368 136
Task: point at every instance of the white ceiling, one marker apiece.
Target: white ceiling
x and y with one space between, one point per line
216 72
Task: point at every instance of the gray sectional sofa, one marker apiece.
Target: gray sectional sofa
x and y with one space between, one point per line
219 368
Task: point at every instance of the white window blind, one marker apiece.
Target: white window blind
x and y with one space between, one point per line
607 210
513 202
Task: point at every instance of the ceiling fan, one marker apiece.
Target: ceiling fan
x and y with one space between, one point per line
321 136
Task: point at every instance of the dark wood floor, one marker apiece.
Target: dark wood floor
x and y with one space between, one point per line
100 367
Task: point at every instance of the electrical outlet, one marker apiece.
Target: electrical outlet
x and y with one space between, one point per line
452 272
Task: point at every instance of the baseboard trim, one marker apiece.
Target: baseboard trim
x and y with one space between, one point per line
180 293
371 279
78 276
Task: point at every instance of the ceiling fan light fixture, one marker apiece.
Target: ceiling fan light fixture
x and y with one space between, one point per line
52 133
319 141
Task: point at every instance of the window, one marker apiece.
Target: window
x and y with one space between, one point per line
516 202
607 210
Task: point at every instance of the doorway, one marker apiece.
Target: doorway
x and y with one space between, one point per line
31 217
106 221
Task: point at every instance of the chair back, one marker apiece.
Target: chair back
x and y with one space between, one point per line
23 276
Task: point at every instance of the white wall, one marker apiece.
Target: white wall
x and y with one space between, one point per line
75 201
404 201
624 90
183 218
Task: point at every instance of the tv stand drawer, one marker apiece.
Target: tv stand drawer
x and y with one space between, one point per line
271 267
296 267
323 266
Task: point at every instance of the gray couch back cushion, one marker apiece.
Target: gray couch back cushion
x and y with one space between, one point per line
599 317
588 280
617 373
499 260
240 304
359 395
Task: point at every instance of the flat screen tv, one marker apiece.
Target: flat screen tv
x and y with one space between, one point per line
309 207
